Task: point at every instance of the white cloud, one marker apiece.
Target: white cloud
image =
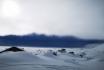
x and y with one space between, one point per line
62 17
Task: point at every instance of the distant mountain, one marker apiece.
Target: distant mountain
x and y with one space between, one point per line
46 41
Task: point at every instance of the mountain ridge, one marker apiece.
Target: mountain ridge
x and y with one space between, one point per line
46 41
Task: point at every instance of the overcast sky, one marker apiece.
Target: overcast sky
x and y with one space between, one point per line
82 18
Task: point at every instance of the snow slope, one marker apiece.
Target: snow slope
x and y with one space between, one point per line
44 59
96 58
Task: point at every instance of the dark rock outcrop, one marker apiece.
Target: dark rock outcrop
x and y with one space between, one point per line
13 49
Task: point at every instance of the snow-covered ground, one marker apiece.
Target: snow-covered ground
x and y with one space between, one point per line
53 59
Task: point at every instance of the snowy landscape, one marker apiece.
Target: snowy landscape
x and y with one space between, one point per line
51 34
88 58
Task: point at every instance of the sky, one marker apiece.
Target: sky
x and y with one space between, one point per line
81 18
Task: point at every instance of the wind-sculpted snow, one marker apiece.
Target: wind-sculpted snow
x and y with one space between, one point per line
53 59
